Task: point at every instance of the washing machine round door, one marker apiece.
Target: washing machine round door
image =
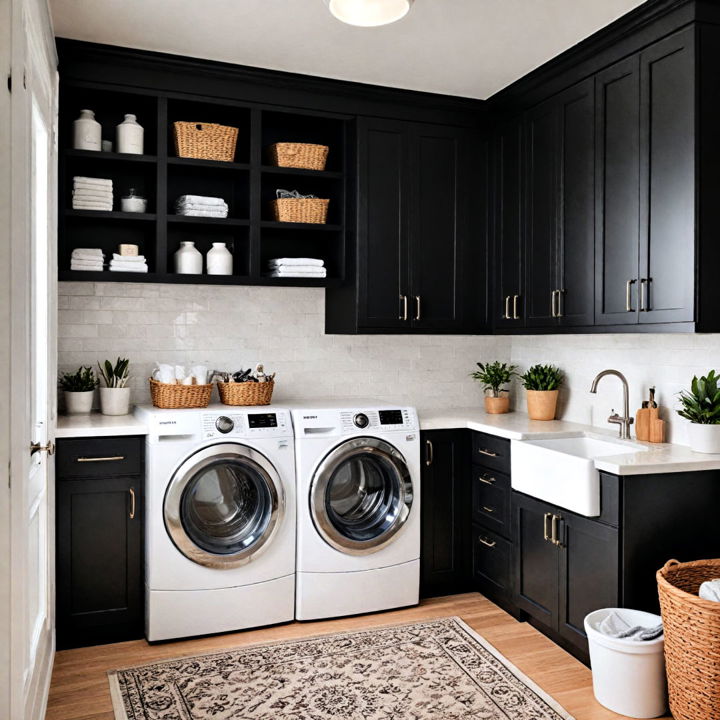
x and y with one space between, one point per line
361 495
223 505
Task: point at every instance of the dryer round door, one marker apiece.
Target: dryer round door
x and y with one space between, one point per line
223 505
361 495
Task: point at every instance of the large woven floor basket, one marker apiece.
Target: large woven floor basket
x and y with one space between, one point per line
205 141
246 393
692 639
172 397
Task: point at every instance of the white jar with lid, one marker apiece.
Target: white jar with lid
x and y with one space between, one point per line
219 260
133 203
87 132
188 259
129 136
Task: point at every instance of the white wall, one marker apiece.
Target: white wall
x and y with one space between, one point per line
233 327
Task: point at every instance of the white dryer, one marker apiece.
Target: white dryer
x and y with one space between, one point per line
358 525
219 521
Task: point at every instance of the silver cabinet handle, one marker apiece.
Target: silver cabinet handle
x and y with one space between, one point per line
485 451
488 543
553 311
132 503
628 295
560 295
515 308
488 480
488 509
417 300
644 287
429 453
37 447
109 458
506 316
554 537
546 531
404 314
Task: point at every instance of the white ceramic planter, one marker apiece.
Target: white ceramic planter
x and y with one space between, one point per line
219 260
78 402
704 438
188 259
115 401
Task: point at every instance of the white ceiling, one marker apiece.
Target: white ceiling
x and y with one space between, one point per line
471 48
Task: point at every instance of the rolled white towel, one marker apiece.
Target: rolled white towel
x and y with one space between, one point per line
710 590
200 200
294 262
92 181
316 272
128 258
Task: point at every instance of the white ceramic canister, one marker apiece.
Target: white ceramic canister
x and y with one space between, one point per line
87 132
219 260
129 136
188 259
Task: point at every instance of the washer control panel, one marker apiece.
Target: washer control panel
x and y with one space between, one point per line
247 424
385 419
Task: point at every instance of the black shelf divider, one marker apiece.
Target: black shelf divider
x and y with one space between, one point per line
163 263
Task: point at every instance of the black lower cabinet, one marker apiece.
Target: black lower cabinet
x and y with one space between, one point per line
445 516
99 541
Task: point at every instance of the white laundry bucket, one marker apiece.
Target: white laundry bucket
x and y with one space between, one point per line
628 675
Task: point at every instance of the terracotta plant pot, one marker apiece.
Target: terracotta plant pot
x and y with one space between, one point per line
541 404
497 405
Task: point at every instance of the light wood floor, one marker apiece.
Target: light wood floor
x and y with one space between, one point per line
79 689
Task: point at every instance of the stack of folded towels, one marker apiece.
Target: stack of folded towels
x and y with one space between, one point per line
128 263
297 268
87 259
92 193
201 206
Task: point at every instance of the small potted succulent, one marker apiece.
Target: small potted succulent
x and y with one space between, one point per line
542 383
79 388
701 406
494 377
115 396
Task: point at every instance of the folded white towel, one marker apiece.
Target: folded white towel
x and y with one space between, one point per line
710 590
92 206
203 213
91 252
299 272
90 267
198 206
200 200
83 194
128 267
294 262
128 258
92 190
98 182
86 260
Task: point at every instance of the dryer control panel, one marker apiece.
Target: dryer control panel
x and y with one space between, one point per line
386 419
247 424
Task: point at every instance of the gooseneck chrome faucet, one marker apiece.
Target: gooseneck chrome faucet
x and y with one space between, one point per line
626 421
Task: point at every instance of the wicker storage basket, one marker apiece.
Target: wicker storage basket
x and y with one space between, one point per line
205 141
246 393
692 639
299 155
301 210
166 395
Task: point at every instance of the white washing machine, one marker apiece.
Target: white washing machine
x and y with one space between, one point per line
358 525
219 521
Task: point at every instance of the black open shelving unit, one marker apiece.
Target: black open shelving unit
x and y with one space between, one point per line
247 184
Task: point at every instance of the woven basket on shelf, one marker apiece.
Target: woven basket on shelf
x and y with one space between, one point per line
169 396
301 210
246 393
692 639
299 155
205 141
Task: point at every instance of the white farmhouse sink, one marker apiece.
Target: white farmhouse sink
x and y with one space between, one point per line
562 471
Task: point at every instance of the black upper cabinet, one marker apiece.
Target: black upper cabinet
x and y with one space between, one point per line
645 210
418 206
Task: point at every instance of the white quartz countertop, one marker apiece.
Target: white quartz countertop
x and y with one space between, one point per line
656 458
97 425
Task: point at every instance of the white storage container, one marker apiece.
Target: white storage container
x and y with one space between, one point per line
628 675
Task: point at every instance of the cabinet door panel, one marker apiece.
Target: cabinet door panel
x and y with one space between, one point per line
576 255
491 563
536 561
382 223
438 225
667 250
617 192
589 573
541 214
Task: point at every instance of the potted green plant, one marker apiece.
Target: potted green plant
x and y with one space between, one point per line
494 377
79 389
542 383
701 406
115 396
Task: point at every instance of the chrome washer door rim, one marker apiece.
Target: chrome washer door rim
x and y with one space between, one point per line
188 470
324 474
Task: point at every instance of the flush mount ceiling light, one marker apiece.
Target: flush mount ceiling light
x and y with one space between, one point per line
369 13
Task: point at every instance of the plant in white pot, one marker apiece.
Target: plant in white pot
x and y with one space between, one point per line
494 377
79 388
701 406
115 396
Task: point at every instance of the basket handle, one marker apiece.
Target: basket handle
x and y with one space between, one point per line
669 564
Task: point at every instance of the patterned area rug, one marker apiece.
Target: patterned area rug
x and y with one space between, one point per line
439 669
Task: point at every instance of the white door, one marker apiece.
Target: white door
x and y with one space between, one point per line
28 335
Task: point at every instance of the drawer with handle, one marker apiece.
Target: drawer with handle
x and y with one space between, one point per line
491 562
100 456
491 451
491 500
